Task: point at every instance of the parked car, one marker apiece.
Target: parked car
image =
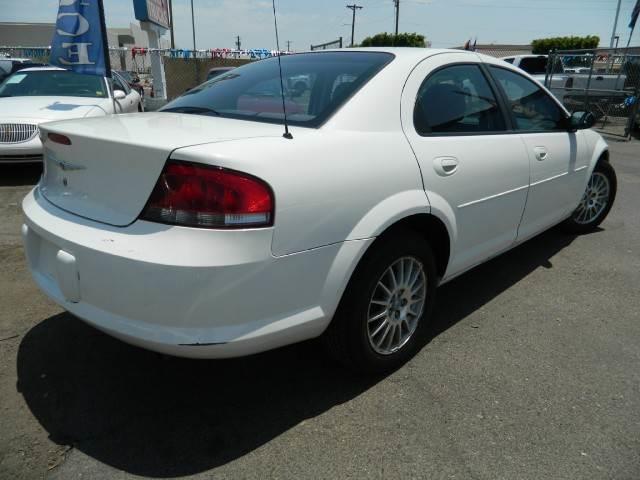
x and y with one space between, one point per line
217 71
12 65
33 96
202 231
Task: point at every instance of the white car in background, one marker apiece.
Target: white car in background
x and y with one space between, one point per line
202 231
33 96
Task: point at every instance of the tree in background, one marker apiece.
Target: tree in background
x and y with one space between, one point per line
545 45
391 40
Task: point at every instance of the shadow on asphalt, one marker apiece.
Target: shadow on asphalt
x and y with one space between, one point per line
165 417
17 175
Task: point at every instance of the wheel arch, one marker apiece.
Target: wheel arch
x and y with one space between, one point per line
353 253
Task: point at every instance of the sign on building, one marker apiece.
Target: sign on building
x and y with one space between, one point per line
152 11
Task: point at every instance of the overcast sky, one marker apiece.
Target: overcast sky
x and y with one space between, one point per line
446 23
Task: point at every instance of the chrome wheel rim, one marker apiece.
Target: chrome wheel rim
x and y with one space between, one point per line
594 200
396 305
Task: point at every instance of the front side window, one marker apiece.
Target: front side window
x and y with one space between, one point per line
315 85
457 99
533 109
120 84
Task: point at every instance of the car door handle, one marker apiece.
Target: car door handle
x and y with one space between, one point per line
445 166
541 153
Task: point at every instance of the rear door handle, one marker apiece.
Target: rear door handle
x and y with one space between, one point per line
445 166
541 153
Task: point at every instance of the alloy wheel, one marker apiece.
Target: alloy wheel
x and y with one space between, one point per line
396 305
595 199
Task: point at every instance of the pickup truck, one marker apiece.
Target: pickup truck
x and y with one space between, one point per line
569 84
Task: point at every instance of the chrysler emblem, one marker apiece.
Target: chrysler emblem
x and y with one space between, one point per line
68 166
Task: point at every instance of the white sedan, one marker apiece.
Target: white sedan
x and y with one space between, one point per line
33 96
202 231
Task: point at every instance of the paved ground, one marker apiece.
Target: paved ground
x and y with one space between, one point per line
532 372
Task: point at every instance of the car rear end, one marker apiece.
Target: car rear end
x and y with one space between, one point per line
169 255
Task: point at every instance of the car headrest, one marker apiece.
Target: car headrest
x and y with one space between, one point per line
442 105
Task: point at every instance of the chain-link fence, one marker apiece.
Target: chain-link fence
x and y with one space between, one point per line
162 74
325 46
603 81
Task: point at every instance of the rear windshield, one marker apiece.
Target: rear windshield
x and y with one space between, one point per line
315 86
52 83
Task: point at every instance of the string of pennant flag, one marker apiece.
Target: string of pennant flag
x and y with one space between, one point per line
222 53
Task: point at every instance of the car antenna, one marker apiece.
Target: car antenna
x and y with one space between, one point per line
287 134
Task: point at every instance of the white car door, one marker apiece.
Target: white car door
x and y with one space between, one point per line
130 102
475 172
558 157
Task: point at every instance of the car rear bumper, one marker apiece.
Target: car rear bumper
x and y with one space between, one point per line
180 291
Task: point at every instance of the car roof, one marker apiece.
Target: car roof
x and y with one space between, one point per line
42 69
406 52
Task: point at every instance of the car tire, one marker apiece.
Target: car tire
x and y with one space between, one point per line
355 337
596 201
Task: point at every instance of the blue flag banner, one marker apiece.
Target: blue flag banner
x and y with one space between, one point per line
634 15
80 41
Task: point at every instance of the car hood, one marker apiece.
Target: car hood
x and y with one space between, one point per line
46 109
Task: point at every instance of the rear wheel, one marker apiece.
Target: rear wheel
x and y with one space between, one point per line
596 201
384 311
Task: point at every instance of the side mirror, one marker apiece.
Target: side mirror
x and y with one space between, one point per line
119 95
582 120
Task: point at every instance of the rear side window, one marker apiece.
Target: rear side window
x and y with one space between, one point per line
534 65
508 60
533 109
457 99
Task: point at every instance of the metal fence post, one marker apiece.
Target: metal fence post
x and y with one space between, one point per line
634 112
588 86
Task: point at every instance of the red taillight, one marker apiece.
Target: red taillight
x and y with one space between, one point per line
57 138
195 195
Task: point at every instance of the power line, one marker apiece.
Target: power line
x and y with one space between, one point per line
353 8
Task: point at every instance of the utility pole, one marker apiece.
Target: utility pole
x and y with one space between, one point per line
173 42
615 24
238 43
193 27
353 8
288 45
397 2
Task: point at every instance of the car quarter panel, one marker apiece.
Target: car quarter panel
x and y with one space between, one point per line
329 186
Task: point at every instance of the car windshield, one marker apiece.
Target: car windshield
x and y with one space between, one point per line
315 86
52 83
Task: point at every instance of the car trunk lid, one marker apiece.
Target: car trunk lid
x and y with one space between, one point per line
112 164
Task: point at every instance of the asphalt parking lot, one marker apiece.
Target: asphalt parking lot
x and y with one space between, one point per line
532 371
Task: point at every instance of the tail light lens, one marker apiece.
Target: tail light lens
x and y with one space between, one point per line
195 195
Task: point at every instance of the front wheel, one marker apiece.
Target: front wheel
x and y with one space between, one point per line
596 201
386 306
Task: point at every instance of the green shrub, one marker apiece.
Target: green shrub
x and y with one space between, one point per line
545 45
391 40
